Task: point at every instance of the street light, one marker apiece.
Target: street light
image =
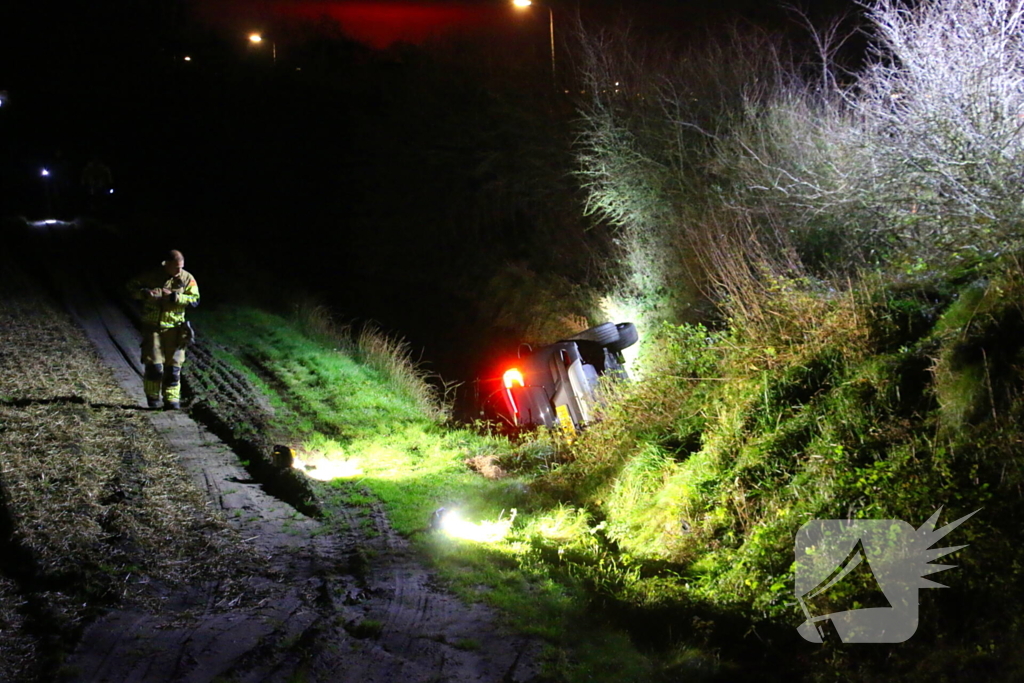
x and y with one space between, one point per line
256 39
551 30
45 175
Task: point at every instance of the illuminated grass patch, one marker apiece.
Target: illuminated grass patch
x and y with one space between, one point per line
500 540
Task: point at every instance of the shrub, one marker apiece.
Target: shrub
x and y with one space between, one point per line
729 169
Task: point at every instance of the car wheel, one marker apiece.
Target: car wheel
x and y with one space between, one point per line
604 334
627 337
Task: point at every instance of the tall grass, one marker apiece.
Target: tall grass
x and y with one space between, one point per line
881 406
531 554
393 357
389 354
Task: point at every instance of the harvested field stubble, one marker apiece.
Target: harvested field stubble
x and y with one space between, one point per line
92 488
96 510
44 356
17 646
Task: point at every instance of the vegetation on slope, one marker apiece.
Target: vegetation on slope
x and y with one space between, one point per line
673 519
893 406
851 247
858 235
363 438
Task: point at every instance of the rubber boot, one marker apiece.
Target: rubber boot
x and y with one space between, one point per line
151 382
172 387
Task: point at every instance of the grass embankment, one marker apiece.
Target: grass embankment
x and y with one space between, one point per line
855 228
359 416
887 401
673 520
94 509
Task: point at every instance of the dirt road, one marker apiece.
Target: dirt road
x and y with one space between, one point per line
320 606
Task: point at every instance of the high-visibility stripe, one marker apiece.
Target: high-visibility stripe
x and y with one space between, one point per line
152 388
172 392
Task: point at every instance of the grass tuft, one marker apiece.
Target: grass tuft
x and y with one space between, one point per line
393 357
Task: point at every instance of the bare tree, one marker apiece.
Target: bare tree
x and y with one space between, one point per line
943 104
916 159
651 124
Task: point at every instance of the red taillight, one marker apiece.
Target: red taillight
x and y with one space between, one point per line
513 376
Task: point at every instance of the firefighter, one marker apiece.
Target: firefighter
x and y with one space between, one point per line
165 294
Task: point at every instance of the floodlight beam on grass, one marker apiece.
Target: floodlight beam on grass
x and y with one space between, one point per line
454 525
323 469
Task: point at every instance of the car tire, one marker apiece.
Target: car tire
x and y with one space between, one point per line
603 334
627 337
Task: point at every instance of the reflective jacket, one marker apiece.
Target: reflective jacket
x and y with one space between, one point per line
167 311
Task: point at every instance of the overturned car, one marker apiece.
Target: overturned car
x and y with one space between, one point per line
556 385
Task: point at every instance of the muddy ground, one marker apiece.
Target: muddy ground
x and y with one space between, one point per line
257 589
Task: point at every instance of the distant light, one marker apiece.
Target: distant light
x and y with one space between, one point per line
522 3
111 191
255 38
45 173
187 58
616 84
51 221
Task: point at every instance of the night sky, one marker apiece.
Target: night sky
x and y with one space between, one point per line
379 23
392 157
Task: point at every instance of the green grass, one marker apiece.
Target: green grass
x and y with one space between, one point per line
853 414
367 628
317 390
345 417
668 527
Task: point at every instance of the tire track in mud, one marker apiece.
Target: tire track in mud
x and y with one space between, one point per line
425 624
314 609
